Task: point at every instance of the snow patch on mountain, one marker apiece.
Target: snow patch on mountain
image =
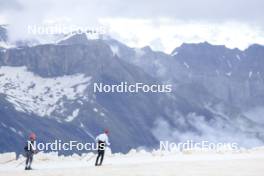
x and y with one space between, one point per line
16 131
174 53
228 73
75 113
3 124
238 57
6 45
139 52
31 93
65 37
229 64
186 65
250 74
115 50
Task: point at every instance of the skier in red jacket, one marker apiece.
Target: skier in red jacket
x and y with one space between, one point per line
30 150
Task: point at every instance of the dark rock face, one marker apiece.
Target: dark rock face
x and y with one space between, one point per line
213 88
230 74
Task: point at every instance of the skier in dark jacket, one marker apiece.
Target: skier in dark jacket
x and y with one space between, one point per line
30 150
102 141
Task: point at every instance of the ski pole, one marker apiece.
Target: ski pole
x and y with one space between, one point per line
91 136
19 164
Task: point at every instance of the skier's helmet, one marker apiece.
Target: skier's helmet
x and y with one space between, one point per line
106 131
32 136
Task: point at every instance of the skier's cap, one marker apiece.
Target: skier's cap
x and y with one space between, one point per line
106 131
32 136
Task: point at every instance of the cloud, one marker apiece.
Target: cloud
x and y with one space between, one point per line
166 34
162 24
176 9
11 4
214 131
256 114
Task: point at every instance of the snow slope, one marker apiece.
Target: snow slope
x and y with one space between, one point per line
6 45
141 163
31 93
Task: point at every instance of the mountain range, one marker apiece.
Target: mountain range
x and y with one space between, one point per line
48 88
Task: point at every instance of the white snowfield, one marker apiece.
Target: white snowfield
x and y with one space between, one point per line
31 93
141 163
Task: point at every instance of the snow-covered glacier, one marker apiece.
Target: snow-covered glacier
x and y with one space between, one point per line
32 93
244 162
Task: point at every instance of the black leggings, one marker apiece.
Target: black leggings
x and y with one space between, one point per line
100 156
29 159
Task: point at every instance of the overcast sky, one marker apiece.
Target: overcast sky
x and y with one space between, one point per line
163 24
